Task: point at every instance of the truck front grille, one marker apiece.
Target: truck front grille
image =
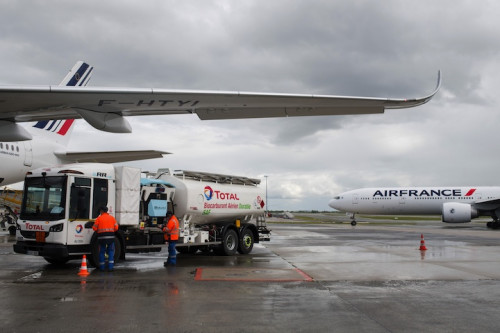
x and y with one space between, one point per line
32 234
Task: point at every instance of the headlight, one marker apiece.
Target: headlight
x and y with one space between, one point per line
57 228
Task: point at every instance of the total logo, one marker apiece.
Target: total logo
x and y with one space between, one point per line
209 194
79 229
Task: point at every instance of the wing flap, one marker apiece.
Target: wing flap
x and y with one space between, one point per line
248 112
110 156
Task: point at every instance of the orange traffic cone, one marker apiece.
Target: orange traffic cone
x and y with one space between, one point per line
422 243
83 268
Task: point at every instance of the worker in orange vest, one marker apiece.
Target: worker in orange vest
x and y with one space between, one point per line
105 225
171 234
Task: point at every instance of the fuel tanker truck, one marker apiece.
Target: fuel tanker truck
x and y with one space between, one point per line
216 212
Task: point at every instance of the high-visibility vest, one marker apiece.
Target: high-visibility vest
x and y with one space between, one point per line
105 225
171 230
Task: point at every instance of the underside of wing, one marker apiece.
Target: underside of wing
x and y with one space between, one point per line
110 156
492 204
105 108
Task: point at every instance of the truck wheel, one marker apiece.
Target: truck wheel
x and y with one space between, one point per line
230 242
94 251
118 249
56 261
246 242
12 230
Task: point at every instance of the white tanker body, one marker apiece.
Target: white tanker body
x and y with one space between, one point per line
207 198
60 204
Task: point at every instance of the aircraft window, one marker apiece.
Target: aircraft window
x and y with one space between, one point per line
12 147
1 145
17 149
7 147
336 198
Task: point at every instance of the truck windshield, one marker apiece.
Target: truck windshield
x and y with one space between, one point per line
44 198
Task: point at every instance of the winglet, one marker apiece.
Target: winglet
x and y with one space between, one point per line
427 98
438 85
405 103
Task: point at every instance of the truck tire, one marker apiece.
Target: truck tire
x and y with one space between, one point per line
12 230
230 242
94 251
246 241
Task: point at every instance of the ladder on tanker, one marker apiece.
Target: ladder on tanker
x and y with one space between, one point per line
211 177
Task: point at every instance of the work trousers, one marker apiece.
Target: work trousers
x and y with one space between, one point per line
172 253
106 245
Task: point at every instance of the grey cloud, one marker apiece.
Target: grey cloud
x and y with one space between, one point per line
323 47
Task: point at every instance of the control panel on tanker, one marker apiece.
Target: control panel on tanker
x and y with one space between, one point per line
154 209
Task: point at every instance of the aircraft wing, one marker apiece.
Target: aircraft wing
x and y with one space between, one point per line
111 156
105 108
490 204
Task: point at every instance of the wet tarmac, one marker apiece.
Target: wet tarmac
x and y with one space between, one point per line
309 278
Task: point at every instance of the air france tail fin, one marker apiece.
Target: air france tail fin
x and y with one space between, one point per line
78 76
60 130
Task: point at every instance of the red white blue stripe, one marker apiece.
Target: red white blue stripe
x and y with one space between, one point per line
57 126
78 76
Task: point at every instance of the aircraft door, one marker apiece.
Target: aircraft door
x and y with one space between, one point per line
28 154
355 199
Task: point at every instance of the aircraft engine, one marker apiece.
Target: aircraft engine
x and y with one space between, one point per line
455 212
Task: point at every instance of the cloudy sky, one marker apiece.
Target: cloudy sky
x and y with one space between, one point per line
358 48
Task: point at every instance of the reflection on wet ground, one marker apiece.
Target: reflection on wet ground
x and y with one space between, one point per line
363 278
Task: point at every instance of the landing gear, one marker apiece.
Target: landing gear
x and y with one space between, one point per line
493 225
353 220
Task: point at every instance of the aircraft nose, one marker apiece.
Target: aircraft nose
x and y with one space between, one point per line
332 203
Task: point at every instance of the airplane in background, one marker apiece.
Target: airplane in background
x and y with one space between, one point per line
50 139
106 108
455 204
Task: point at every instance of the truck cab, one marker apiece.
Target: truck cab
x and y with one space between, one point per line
58 209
